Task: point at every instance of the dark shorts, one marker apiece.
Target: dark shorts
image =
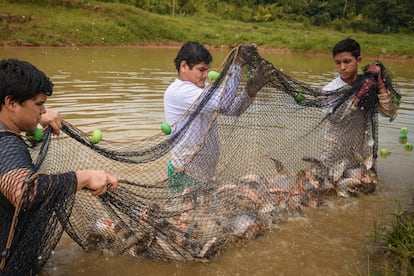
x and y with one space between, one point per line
178 181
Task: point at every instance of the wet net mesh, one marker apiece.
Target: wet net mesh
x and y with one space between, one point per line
295 146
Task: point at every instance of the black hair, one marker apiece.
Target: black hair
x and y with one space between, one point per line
347 45
193 53
21 81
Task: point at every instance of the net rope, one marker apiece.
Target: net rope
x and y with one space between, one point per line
295 146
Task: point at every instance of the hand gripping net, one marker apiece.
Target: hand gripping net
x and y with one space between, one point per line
295 146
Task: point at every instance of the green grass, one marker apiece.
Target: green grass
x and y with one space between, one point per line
394 251
98 23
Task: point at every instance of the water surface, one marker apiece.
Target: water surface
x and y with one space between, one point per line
119 90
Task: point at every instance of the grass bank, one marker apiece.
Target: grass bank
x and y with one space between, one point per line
107 24
393 250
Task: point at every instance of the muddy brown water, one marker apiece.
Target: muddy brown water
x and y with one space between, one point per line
119 90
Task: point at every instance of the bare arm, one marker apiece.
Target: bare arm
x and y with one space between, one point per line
95 180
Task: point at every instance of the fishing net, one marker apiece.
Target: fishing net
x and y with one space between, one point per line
295 146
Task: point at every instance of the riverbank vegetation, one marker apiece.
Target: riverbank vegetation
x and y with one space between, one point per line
372 16
214 23
393 253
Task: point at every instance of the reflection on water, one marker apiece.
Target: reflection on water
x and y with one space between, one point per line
119 90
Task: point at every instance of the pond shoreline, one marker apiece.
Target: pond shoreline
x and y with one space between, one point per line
278 51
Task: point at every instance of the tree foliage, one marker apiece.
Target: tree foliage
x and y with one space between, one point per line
373 16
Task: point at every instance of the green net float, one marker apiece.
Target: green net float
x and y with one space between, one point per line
299 97
404 130
96 136
396 100
384 152
403 138
35 135
408 146
213 75
165 128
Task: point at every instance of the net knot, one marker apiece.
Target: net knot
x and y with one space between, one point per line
5 252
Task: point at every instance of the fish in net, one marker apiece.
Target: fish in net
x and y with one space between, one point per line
294 146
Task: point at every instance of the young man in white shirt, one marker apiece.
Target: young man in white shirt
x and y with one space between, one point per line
195 143
349 134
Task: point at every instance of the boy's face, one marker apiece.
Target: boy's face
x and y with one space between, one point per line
347 66
27 115
197 75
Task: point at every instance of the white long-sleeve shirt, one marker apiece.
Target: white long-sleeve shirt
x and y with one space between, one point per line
334 84
196 150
